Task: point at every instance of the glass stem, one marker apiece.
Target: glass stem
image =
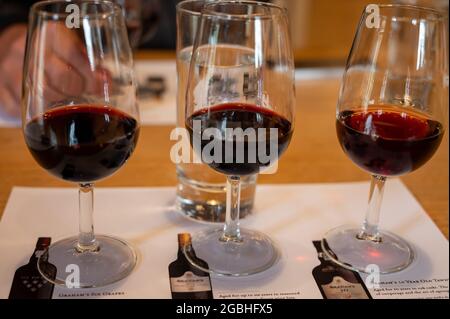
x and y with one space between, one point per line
369 229
86 237
231 231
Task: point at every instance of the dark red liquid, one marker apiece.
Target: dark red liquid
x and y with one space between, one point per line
82 143
388 141
244 159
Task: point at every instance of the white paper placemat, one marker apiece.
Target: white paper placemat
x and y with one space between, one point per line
293 215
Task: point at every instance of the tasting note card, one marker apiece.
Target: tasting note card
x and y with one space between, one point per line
293 215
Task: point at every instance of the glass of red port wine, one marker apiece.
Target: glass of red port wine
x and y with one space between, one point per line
390 120
240 114
81 123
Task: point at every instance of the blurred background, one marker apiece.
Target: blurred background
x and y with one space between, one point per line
322 32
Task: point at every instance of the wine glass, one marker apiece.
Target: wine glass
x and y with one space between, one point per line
79 124
390 120
239 107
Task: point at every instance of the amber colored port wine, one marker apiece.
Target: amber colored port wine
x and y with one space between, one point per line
388 140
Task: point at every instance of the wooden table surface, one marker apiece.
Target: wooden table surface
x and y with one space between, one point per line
314 156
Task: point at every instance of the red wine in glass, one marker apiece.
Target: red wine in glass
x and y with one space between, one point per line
82 143
243 116
399 68
388 140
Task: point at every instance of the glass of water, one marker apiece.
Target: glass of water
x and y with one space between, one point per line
201 191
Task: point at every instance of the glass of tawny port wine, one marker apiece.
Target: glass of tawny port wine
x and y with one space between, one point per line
390 119
239 113
80 123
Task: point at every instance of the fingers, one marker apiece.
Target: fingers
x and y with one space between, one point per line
11 81
12 48
69 69
8 103
81 67
12 66
8 37
63 71
63 77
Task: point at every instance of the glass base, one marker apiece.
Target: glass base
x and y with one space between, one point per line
113 261
210 210
201 193
254 254
343 246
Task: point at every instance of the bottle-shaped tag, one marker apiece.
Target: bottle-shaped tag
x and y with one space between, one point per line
186 281
28 282
336 282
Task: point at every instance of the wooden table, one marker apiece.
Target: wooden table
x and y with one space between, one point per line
314 156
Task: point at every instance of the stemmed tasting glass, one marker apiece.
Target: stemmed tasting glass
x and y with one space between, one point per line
239 112
390 119
80 122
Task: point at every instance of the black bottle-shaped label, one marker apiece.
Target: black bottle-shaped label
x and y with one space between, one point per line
187 281
336 282
28 282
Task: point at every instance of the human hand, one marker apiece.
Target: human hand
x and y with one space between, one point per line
60 67
12 48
